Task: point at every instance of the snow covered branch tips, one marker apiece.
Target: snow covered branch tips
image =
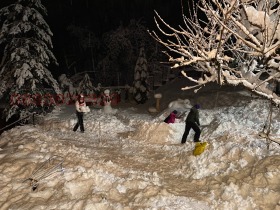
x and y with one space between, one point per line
230 41
140 84
26 40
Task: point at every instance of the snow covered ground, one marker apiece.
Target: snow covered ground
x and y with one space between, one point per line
132 160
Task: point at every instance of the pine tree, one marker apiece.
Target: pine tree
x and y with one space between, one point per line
140 84
26 40
85 86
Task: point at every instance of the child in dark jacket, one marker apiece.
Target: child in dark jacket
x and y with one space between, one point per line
192 121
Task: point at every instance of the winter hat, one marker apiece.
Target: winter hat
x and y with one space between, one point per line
107 92
81 96
197 106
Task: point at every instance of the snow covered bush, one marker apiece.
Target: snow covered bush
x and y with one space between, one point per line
85 86
67 88
26 40
140 84
229 41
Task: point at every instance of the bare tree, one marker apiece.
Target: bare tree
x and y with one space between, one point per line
229 41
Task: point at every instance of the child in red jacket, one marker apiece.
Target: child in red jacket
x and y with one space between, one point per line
171 117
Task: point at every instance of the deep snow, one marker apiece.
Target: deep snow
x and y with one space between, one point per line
132 160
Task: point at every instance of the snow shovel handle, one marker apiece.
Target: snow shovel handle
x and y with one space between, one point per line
203 126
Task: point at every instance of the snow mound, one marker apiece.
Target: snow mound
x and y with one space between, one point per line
154 133
180 104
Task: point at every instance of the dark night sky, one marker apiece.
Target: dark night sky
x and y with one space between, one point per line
102 15
105 15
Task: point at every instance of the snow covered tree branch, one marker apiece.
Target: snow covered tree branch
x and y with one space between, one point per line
229 42
26 39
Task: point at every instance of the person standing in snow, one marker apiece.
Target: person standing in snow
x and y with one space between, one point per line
192 121
80 105
171 117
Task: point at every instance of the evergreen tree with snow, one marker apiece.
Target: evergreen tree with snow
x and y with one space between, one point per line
140 84
85 86
67 88
26 39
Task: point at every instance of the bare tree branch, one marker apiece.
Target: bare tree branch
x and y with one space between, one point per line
229 42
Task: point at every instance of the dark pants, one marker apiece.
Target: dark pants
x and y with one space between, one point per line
188 127
80 116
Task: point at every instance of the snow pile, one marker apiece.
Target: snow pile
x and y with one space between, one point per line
135 161
154 132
